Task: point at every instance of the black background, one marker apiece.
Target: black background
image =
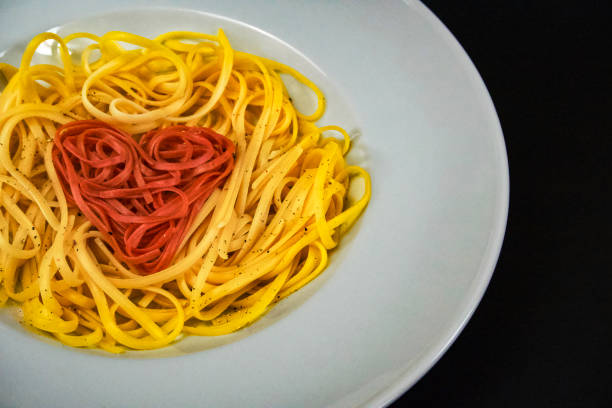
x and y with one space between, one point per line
542 333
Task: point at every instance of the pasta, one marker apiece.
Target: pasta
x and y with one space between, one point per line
228 245
146 193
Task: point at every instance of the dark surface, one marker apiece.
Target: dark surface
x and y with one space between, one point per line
542 334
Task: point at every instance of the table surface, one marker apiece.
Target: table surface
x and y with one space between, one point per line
542 332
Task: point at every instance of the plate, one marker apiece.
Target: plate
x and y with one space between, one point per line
406 278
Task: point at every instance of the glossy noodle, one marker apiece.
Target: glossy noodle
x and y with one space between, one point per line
259 234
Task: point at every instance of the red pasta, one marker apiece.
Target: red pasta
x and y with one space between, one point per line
144 195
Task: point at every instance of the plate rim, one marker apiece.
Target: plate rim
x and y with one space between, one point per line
488 264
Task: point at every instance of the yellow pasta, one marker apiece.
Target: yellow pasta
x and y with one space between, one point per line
261 236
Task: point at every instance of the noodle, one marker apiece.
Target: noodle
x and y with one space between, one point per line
167 189
141 196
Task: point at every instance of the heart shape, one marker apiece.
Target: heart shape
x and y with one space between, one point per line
144 195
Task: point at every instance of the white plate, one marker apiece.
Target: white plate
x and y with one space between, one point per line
407 277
